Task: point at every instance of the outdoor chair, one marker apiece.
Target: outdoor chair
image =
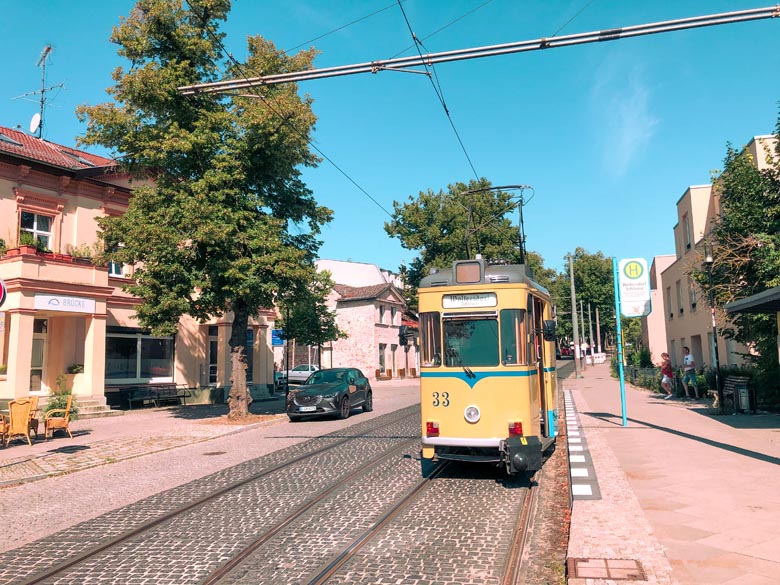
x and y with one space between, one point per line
34 420
58 419
18 424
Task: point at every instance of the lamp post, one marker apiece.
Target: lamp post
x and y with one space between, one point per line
708 261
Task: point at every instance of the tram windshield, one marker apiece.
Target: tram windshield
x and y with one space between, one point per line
471 342
474 341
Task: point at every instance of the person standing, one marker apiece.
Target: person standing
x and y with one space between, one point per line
689 374
666 375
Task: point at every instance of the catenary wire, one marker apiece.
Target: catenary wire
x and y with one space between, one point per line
438 30
285 119
437 91
343 26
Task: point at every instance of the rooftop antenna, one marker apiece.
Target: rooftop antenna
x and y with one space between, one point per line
36 123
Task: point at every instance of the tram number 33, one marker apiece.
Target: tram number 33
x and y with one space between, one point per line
442 399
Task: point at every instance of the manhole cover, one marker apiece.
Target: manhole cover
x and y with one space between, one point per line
215 452
616 569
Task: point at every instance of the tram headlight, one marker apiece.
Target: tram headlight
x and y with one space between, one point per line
471 413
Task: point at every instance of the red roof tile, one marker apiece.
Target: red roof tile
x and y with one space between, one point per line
32 148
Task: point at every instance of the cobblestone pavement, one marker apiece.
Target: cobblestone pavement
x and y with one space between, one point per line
84 451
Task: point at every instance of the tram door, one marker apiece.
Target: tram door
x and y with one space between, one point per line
538 317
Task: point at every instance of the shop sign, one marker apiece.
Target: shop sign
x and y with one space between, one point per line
64 303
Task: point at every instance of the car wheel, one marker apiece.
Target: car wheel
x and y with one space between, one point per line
368 405
344 408
294 418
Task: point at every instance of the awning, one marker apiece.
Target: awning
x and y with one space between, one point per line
767 301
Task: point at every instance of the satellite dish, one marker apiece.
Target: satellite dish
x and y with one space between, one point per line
35 123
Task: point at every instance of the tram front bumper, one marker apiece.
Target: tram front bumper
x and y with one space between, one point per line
523 454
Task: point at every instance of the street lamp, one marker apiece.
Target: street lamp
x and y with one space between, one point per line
708 261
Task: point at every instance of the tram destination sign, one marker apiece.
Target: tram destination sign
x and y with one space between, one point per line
634 284
468 301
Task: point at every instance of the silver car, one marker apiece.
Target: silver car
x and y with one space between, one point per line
299 374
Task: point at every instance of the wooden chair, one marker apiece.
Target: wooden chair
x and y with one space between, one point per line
58 419
34 414
18 424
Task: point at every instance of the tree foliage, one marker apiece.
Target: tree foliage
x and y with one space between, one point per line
746 244
218 177
456 224
306 317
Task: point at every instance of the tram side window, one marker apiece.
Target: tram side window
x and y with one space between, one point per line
430 339
513 337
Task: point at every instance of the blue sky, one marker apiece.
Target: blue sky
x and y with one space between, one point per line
609 135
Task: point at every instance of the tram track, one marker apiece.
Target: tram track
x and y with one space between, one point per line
62 568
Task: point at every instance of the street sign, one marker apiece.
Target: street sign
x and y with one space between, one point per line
634 285
276 338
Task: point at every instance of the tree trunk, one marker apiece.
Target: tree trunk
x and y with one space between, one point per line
239 398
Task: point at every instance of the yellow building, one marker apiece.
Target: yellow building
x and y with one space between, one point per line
63 314
687 316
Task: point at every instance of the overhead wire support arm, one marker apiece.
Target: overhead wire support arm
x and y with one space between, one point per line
402 63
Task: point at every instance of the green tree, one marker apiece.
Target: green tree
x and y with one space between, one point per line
594 284
456 224
746 245
306 317
219 177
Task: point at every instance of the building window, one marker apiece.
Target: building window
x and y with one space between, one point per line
381 314
213 333
382 348
678 286
687 234
392 315
669 302
116 269
137 357
673 349
39 226
692 294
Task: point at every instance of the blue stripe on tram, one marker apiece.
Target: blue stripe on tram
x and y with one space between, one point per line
478 376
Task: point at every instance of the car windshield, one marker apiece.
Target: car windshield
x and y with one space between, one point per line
326 377
301 369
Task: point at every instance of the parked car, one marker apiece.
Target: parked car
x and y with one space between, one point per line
298 374
332 391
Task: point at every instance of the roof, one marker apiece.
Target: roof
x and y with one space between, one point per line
21 144
767 301
357 293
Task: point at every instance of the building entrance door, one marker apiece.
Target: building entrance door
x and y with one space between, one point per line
38 358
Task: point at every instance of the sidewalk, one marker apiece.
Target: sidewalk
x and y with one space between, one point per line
679 495
102 441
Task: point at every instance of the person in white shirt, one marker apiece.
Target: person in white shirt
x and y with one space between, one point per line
689 374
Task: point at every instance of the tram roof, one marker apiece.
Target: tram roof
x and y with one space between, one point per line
493 274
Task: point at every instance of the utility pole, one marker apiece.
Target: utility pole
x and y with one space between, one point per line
598 330
574 323
582 321
590 329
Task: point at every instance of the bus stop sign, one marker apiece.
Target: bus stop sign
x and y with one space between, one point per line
634 285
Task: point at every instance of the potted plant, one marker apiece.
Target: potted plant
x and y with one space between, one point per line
3 369
27 243
74 376
58 398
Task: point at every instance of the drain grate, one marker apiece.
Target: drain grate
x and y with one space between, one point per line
616 569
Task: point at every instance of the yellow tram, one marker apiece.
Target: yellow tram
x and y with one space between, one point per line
488 382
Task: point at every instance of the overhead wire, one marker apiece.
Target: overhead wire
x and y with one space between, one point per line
335 30
284 119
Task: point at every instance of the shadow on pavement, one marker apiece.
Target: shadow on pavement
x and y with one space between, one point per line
607 417
212 411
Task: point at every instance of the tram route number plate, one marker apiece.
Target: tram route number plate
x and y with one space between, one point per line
307 408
